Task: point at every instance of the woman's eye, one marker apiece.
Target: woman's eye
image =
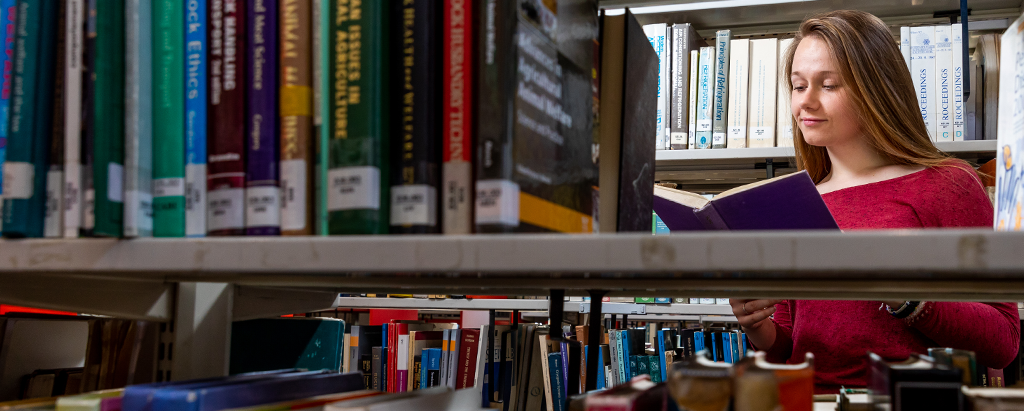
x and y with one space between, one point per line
829 87
799 88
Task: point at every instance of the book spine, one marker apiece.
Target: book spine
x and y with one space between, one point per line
693 85
366 367
402 365
922 71
89 126
705 103
417 373
905 44
457 123
53 225
321 91
262 190
28 148
358 172
959 106
196 99
8 11
656 35
375 375
453 357
557 384
763 82
296 105
721 89
943 93
108 124
169 126
138 117
225 183
680 77
739 78
417 109
784 127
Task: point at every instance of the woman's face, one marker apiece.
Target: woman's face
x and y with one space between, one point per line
820 101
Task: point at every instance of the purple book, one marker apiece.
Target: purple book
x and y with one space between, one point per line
790 202
262 191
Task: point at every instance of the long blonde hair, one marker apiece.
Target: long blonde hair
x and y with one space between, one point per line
879 86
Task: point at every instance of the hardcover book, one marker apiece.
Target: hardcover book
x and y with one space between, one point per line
196 100
705 102
535 131
284 343
358 192
784 128
917 383
262 191
905 44
958 80
225 182
720 89
557 384
739 97
108 119
53 226
656 35
169 126
629 82
296 105
275 389
138 118
416 107
30 124
691 133
1009 169
685 41
321 104
922 71
7 23
943 85
789 202
457 123
89 123
763 81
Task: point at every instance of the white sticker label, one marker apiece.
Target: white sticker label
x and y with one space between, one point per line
225 209
293 189
413 205
718 138
138 211
722 301
195 200
263 207
88 212
52 226
72 199
18 179
703 125
707 300
678 138
693 139
353 188
115 182
168 187
497 202
737 137
762 133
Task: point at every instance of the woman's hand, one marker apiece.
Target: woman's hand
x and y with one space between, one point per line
752 314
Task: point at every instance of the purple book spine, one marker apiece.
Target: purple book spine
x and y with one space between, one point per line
262 193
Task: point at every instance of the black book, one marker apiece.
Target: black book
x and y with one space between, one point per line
416 110
629 100
376 381
366 367
417 379
918 383
535 169
719 346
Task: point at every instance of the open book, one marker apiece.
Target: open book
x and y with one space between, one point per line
790 202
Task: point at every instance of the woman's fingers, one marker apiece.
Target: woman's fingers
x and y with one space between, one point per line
751 312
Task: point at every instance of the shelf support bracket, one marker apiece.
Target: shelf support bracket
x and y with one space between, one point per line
202 330
594 337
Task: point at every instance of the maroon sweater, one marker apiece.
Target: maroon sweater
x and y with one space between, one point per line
840 333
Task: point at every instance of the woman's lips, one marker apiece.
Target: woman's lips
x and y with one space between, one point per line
809 122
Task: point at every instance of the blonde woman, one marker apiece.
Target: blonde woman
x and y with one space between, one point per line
859 133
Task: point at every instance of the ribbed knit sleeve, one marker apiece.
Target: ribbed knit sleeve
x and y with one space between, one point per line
991 330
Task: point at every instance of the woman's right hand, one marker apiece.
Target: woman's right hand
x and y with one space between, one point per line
753 314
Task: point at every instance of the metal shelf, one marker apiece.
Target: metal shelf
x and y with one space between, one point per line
525 305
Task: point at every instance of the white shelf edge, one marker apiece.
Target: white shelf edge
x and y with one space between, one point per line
760 154
516 304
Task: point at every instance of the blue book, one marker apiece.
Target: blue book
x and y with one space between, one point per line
432 368
620 356
745 344
661 354
624 335
727 344
262 391
712 346
663 300
140 397
7 23
601 383
195 117
557 382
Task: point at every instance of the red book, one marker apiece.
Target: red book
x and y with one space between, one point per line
995 378
469 346
457 169
225 182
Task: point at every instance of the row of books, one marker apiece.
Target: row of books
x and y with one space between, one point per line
136 118
934 56
727 95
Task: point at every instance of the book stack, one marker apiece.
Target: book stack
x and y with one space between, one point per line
934 56
136 118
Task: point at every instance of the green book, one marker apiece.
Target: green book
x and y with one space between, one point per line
108 123
169 118
322 46
31 118
282 343
358 180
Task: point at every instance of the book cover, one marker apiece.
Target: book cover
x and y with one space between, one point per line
296 105
225 181
705 102
638 365
763 83
420 341
1010 146
402 364
959 107
787 202
684 40
8 10
284 343
89 123
268 390
169 126
905 44
656 35
720 89
53 224
457 120
739 97
28 144
466 369
922 70
662 361
446 337
613 356
557 384
366 368
375 376
455 348
196 100
417 373
322 23
535 126
138 118
262 190
897 385
943 92
691 133
417 108
784 128
358 163
108 119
